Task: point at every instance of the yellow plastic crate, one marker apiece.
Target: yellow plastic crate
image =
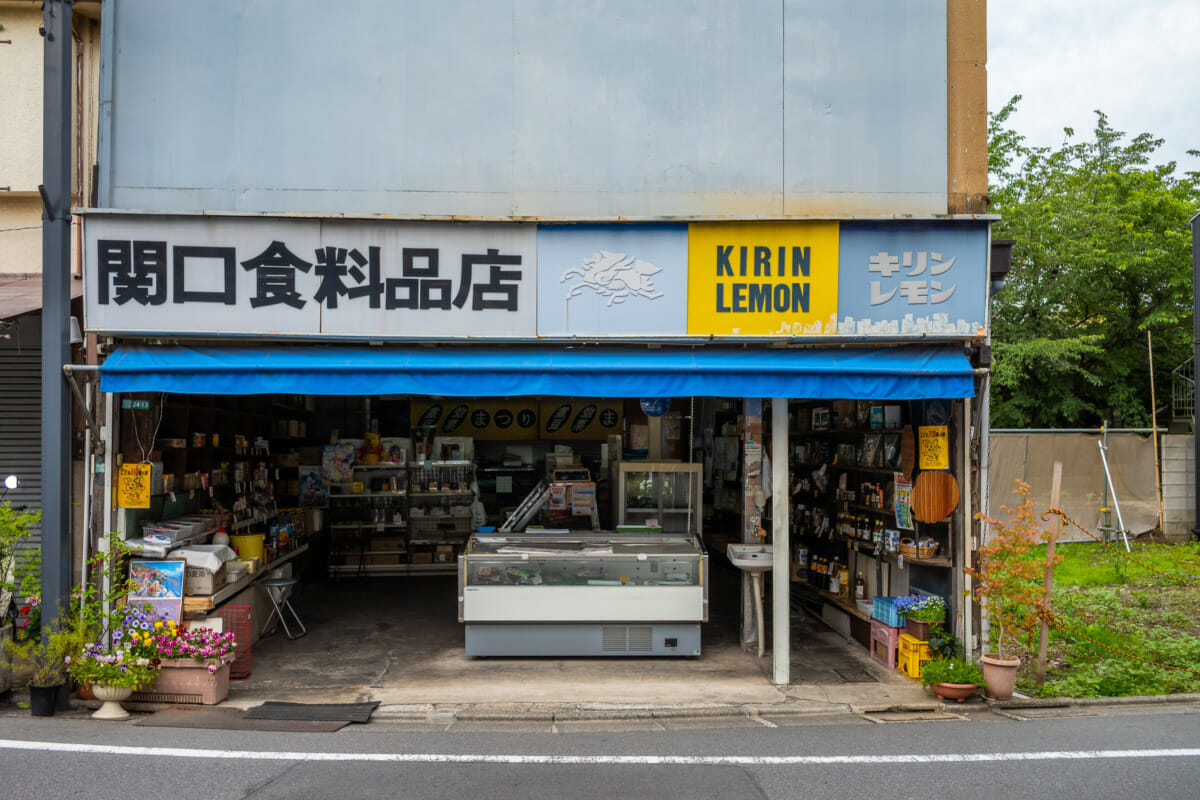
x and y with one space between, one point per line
913 653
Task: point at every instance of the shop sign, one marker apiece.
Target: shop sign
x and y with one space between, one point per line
933 447
133 486
914 278
612 280
507 419
568 418
363 279
763 279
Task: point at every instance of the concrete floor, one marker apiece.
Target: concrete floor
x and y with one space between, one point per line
398 641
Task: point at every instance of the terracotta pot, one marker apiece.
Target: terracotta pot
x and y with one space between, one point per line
1000 674
954 691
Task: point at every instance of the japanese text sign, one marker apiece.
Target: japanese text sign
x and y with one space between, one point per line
133 486
933 446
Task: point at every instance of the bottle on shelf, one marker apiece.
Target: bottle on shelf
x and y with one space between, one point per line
860 587
835 574
843 589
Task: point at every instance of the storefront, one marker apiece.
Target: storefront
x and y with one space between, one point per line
403 385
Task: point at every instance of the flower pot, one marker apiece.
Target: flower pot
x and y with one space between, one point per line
112 697
83 690
1000 674
185 680
42 700
954 691
918 628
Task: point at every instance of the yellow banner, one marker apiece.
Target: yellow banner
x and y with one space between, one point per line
579 418
762 278
489 420
934 446
133 486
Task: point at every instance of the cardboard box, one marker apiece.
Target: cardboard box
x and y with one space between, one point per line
444 554
287 459
379 543
422 558
381 559
235 570
200 581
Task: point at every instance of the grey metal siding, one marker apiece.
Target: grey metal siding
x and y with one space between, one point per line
541 108
20 412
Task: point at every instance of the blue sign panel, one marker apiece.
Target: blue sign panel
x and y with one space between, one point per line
612 280
913 278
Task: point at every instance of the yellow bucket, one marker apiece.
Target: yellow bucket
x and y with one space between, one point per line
248 545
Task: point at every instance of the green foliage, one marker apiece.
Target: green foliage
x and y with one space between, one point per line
1102 254
948 670
14 576
44 655
1011 569
944 643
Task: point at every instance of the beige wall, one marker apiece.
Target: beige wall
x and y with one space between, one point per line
966 106
21 65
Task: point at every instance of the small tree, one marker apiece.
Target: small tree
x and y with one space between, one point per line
14 527
1010 572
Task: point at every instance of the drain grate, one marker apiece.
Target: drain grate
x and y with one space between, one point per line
855 676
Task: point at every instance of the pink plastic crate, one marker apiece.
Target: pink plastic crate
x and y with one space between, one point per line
887 638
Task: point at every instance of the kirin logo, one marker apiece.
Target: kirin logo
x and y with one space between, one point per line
615 276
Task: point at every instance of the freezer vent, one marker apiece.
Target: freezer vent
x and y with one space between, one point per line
641 639
613 639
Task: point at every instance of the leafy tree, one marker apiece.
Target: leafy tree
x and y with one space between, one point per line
1102 255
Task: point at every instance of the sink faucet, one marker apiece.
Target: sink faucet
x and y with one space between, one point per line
760 534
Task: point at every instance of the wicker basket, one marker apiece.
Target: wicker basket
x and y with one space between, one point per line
908 548
927 548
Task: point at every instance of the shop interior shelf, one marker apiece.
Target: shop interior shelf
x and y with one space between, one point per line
374 525
201 603
356 495
394 569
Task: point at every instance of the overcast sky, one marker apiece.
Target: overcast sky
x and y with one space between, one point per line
1138 62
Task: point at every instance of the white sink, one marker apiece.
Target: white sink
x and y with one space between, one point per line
753 558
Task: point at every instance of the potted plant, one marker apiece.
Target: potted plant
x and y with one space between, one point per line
1009 577
113 673
919 611
14 527
193 663
951 678
45 656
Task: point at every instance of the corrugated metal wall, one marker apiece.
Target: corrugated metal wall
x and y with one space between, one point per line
624 108
20 412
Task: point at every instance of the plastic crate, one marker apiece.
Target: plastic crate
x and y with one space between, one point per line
884 610
885 641
913 653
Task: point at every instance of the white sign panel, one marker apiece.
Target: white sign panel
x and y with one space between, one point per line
333 278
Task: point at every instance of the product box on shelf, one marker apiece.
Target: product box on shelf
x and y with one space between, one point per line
444 554
201 581
422 558
380 543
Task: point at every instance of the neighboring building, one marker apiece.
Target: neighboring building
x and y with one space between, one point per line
21 67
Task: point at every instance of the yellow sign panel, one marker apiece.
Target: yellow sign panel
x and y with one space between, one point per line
763 278
488 420
569 418
133 486
934 447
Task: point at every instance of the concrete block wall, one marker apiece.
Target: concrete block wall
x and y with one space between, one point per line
1178 464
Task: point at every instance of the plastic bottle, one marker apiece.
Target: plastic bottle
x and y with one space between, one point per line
844 583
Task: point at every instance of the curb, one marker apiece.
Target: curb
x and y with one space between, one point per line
1068 702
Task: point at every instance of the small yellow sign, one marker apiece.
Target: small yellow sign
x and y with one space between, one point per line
133 486
488 420
763 278
934 446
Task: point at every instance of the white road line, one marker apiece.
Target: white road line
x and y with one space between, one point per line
456 758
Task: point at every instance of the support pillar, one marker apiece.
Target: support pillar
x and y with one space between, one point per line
781 640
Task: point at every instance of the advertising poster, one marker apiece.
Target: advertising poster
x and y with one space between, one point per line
904 518
933 447
133 486
159 583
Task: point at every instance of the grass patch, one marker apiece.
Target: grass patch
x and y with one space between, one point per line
1112 607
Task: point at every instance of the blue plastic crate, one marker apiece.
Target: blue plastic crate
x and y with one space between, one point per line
884 611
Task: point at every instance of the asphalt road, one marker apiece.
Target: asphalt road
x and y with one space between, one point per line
1141 752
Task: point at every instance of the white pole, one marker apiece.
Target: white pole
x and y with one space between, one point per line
1116 505
780 559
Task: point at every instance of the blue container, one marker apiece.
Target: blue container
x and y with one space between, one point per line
883 609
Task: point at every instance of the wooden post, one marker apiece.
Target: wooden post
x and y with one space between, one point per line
1044 638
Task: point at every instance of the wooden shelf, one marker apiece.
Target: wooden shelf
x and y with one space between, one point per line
201 603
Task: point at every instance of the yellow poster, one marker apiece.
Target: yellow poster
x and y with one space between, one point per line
566 418
933 442
502 419
133 486
763 278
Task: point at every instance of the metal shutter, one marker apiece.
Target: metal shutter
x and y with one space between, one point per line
21 414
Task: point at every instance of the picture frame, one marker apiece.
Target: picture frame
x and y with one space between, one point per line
820 418
158 584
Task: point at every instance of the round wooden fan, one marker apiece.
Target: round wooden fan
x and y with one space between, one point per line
934 496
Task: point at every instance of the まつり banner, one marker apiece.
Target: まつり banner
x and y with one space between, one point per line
763 278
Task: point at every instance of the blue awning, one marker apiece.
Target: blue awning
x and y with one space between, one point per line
885 373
